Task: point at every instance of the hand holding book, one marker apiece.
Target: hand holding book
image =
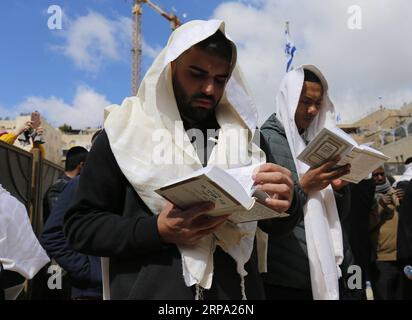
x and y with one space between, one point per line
187 227
277 182
318 178
331 142
268 195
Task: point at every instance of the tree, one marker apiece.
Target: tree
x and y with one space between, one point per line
66 128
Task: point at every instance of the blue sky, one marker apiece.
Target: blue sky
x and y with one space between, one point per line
31 65
70 75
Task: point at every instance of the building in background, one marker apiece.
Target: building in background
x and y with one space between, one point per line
58 141
388 130
72 138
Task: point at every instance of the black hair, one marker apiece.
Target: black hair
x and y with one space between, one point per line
74 157
311 77
218 44
409 160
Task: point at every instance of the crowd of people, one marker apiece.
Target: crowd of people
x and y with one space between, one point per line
115 238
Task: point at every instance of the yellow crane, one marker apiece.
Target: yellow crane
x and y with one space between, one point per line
137 12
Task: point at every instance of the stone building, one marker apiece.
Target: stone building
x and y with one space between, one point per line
52 136
388 130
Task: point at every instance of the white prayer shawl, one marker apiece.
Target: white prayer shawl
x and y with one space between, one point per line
406 176
20 251
147 130
322 225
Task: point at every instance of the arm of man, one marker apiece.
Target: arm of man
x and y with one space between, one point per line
78 265
51 197
277 151
96 223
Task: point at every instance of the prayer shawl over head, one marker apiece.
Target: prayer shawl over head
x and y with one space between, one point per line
20 251
322 225
151 147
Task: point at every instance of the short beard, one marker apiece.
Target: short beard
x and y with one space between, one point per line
190 114
196 115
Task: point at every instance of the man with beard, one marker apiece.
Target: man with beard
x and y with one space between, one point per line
155 250
384 220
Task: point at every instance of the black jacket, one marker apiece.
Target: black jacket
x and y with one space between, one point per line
405 227
52 195
84 271
109 219
356 224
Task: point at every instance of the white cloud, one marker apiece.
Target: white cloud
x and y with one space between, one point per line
93 40
149 51
86 110
360 65
90 41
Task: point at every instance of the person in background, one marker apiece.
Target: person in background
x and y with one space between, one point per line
11 137
75 158
83 271
383 231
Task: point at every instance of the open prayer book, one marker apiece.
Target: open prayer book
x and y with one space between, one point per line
232 191
331 142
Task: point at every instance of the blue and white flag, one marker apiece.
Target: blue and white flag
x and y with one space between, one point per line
338 118
290 48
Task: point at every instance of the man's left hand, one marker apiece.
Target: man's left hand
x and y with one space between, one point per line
277 182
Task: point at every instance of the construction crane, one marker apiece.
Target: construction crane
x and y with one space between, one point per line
138 38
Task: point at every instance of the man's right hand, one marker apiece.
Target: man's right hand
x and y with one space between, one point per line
319 178
187 227
385 200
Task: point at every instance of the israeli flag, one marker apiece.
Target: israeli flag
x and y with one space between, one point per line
290 48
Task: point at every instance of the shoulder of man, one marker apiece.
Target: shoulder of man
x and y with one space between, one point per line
276 145
272 124
56 188
60 183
